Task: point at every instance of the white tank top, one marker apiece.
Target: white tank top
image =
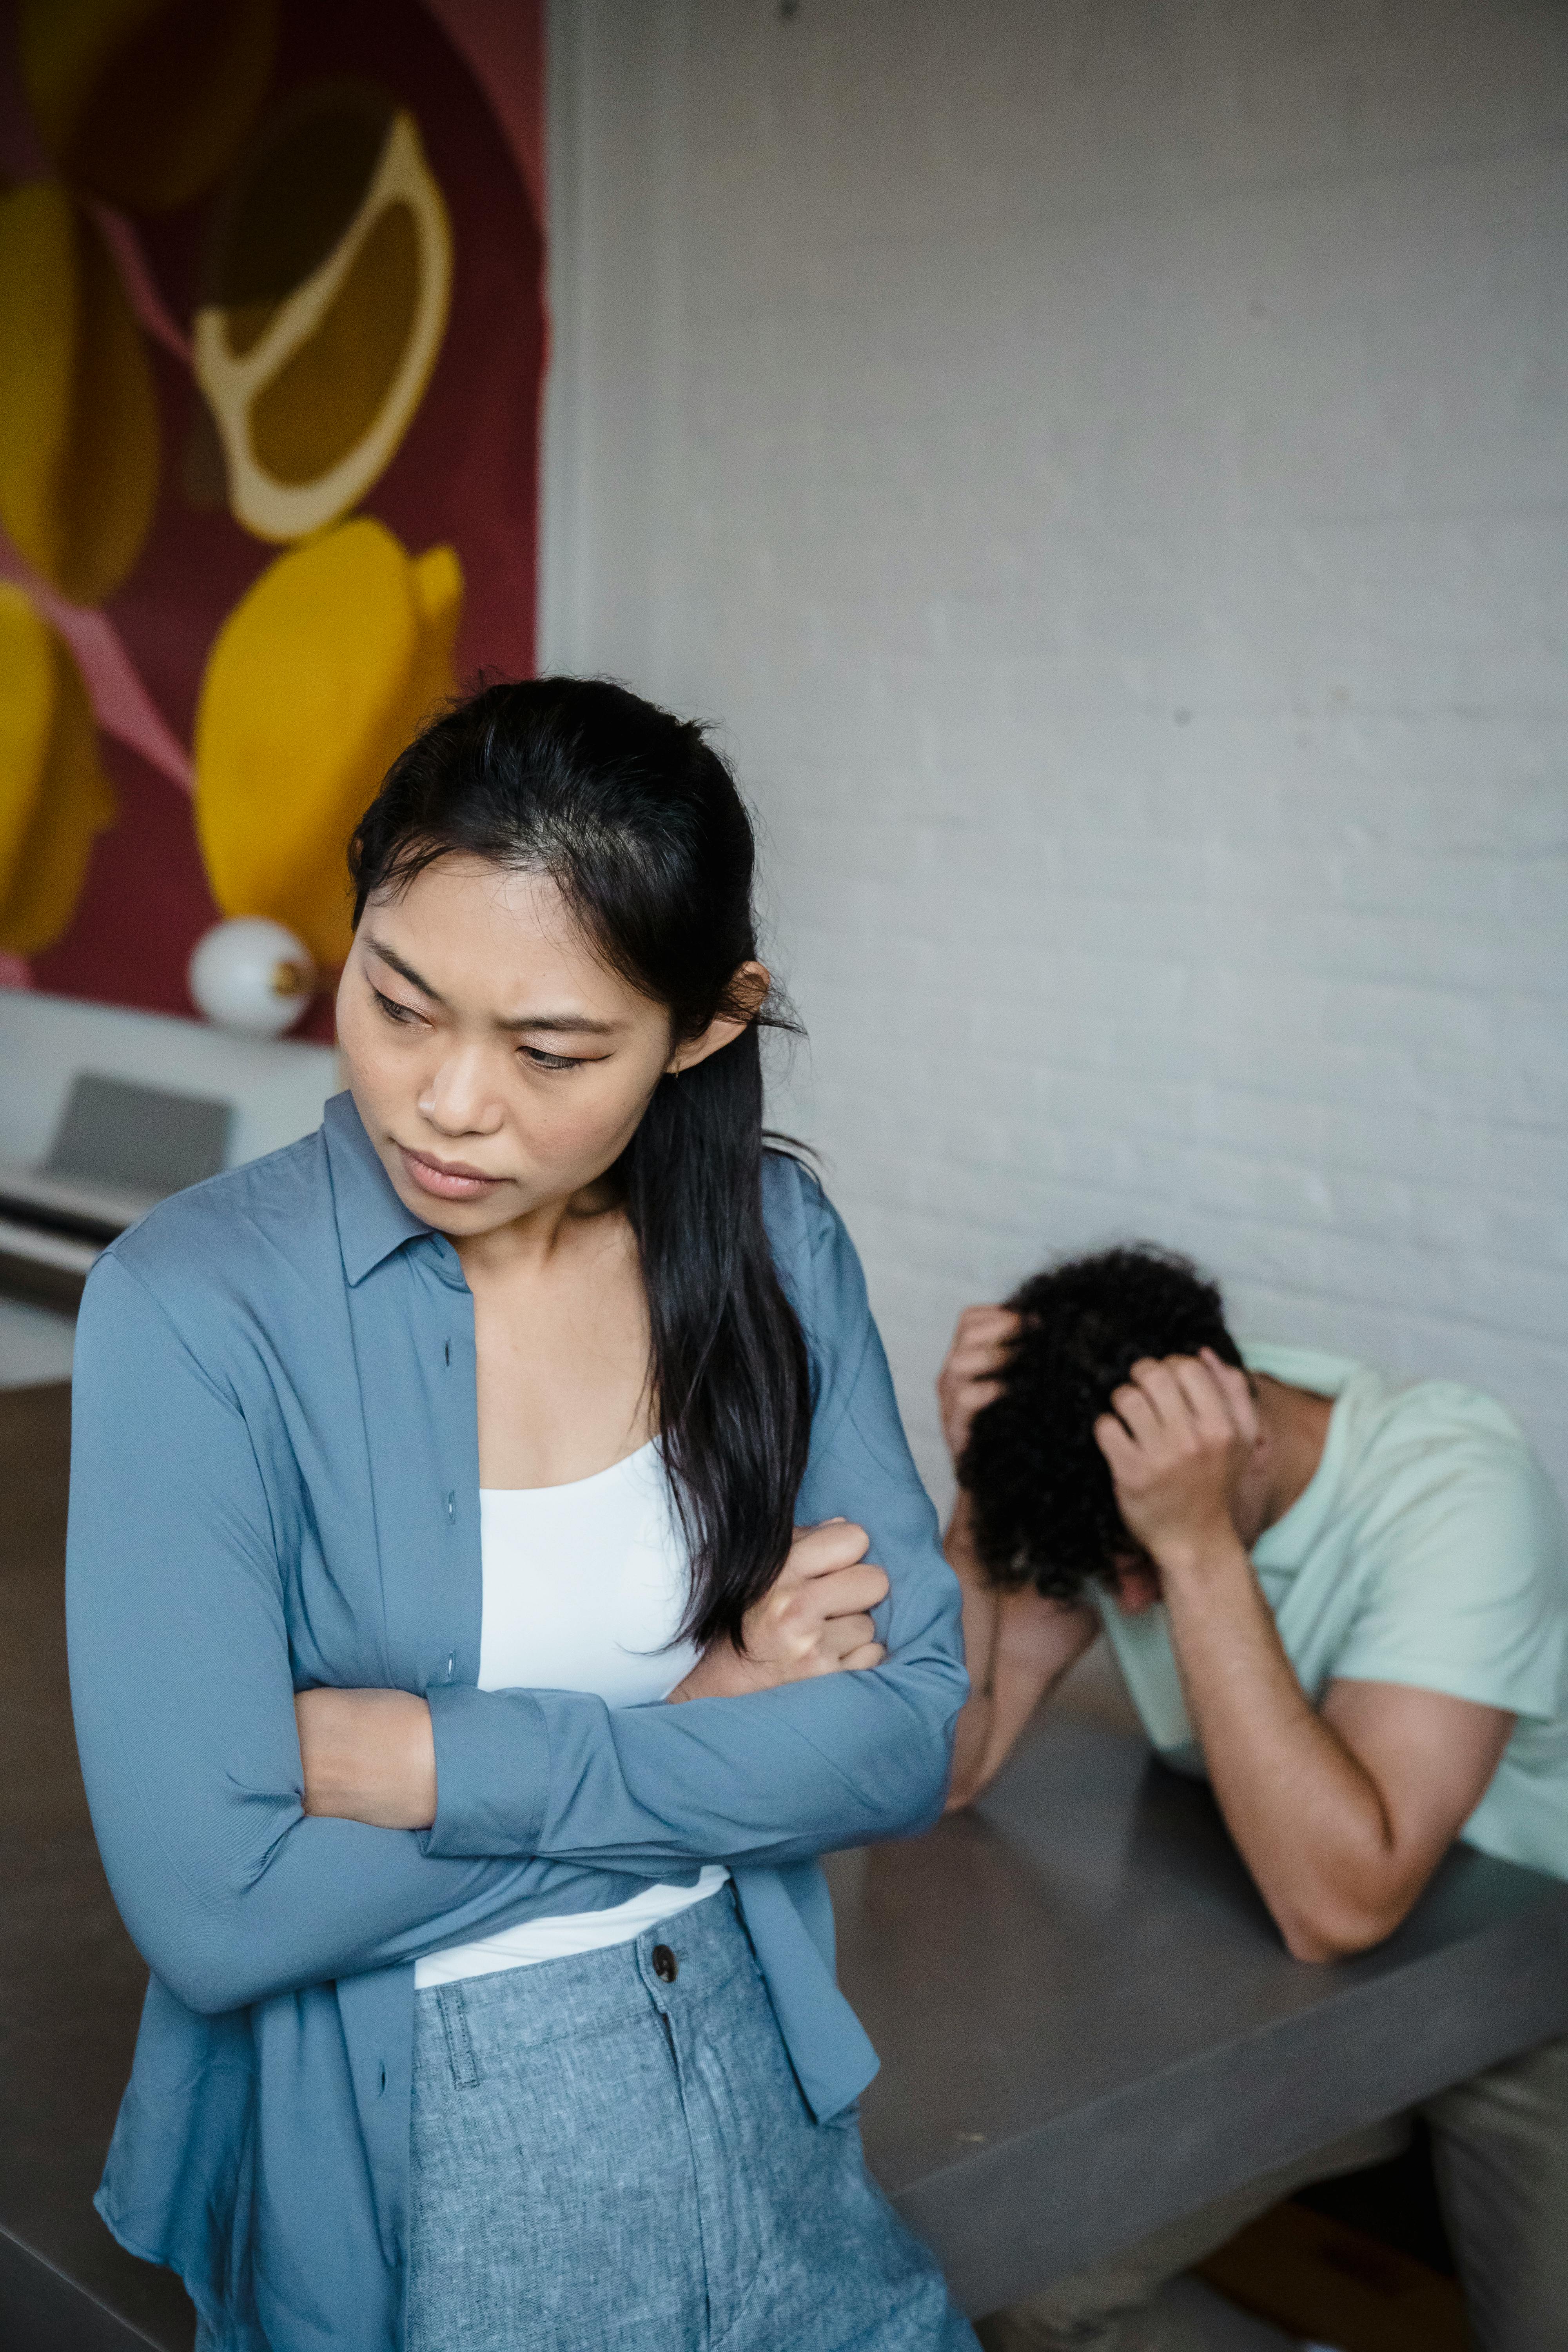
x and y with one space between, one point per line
584 1588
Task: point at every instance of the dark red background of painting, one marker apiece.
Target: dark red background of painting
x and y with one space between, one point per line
467 473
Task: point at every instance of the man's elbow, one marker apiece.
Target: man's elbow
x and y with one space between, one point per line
1317 1933
1315 1949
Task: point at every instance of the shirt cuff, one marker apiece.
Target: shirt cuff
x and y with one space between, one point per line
492 1771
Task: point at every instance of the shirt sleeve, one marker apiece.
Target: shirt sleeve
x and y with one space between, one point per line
777 1776
1470 1595
183 1699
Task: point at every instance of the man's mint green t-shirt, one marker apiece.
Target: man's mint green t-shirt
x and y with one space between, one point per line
1428 1549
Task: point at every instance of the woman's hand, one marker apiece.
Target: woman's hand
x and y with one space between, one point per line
369 1755
972 1374
816 1620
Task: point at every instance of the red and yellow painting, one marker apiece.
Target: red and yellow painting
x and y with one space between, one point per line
272 344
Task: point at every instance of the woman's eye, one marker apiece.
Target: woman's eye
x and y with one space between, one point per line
402 1013
543 1061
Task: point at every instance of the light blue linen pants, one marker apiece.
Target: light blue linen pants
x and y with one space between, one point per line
611 2151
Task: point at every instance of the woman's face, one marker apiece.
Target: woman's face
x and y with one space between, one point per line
497 1065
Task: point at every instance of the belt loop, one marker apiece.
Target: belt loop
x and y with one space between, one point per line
459 2049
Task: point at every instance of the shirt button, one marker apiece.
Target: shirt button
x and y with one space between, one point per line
666 1967
452 1508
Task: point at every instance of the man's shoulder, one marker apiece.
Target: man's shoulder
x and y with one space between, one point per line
1390 1420
1409 1423
1418 1476
1439 1478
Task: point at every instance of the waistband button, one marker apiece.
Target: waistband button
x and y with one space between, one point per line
666 1967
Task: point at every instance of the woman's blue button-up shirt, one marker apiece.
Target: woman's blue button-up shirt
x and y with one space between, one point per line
275 1485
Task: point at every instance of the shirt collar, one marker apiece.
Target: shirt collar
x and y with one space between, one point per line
372 1220
1285 1547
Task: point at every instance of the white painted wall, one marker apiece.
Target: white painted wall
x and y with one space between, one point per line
1104 462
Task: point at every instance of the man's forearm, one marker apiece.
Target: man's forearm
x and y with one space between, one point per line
1308 1818
980 1597
1018 1647
973 1736
958 1542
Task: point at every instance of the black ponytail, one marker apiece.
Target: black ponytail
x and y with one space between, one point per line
635 817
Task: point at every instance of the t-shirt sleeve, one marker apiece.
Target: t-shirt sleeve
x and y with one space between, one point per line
1470 1594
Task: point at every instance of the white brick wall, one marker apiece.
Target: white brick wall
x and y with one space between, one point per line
1104 463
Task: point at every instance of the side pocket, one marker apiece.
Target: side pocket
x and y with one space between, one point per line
455 2026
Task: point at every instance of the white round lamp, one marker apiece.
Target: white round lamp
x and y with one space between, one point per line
251 976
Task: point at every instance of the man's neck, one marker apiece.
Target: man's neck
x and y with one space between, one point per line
1296 1421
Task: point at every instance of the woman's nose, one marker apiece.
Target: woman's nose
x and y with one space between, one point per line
459 1098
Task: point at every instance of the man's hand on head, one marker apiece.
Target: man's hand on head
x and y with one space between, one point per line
1178 1436
971 1375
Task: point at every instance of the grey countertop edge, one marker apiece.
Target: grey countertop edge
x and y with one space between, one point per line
1007 2221
58 2314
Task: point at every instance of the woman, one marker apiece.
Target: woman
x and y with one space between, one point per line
414 1468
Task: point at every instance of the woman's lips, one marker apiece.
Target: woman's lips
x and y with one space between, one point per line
449 1181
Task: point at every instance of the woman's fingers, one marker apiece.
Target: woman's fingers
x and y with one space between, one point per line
869 1653
850 1590
822 1550
842 1636
817 1616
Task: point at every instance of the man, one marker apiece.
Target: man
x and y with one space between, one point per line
1346 1600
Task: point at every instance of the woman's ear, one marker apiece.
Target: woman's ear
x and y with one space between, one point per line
744 999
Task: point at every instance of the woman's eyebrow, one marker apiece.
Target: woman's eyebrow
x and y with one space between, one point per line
577 1023
387 955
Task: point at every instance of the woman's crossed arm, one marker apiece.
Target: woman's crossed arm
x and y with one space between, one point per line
370 1755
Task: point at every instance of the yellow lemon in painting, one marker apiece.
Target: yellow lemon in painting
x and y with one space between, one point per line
144 101
329 282
54 795
318 679
79 413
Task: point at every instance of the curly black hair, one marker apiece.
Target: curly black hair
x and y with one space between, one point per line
1043 1505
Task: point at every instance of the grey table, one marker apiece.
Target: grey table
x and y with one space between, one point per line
1086 2020
1089 2025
